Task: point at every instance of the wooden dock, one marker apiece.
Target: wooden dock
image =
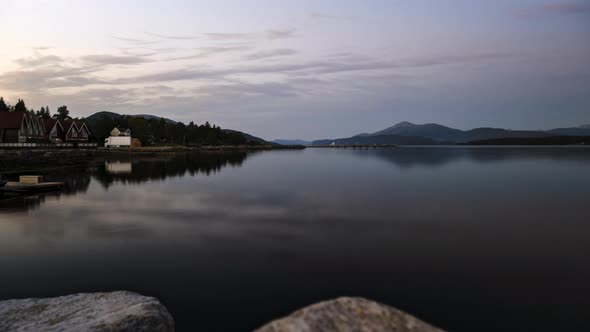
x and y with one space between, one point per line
19 187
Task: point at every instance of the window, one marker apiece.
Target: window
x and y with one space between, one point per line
74 132
53 132
84 133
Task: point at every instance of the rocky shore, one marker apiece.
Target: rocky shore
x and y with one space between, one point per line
127 311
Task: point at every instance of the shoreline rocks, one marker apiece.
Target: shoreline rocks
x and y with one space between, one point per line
116 311
348 314
127 311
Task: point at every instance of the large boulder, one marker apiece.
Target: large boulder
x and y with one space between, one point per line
348 314
117 311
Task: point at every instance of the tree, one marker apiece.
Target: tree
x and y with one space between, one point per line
63 113
20 106
3 106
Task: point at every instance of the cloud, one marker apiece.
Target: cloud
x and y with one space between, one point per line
46 78
228 36
107 59
270 54
279 34
560 7
39 60
208 51
176 37
136 41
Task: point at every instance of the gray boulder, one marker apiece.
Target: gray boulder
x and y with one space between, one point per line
348 314
117 311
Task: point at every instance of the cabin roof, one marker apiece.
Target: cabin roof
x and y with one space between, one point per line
50 123
11 120
67 124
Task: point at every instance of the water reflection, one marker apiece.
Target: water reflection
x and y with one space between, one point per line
407 157
125 170
462 237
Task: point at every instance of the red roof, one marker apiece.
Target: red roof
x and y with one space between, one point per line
67 124
49 123
11 120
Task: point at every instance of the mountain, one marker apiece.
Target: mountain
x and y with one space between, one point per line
432 133
431 130
479 134
149 116
167 132
442 133
378 139
292 142
572 131
101 115
113 115
249 138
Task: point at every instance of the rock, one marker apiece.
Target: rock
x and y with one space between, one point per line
117 311
348 314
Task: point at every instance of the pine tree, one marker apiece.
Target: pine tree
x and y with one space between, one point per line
3 106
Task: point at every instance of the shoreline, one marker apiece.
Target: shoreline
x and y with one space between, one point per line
130 311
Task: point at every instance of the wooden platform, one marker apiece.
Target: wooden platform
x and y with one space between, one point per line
24 187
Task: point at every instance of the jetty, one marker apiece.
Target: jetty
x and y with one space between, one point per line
29 184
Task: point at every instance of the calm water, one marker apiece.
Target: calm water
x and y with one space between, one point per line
470 239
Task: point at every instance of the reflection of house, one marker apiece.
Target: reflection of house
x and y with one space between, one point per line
120 132
117 167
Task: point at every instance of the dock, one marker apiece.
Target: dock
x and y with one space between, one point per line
29 184
26 187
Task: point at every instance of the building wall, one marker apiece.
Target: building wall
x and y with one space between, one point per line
10 136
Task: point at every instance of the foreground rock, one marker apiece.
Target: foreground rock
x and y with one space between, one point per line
117 311
347 314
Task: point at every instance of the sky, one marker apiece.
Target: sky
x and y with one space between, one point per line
307 69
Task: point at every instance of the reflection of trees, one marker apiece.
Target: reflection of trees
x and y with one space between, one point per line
143 169
178 165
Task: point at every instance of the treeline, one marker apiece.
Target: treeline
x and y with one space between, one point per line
151 131
154 132
62 112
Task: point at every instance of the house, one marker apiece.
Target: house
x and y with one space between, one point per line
54 131
71 130
83 131
120 132
25 127
13 127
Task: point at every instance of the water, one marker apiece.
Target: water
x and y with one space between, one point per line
469 239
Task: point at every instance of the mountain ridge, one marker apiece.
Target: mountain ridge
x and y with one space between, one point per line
440 134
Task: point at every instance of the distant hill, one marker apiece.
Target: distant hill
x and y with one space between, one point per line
148 116
291 142
439 134
572 131
551 140
431 130
151 131
248 137
113 115
378 139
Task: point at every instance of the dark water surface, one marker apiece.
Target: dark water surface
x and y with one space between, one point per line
470 239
